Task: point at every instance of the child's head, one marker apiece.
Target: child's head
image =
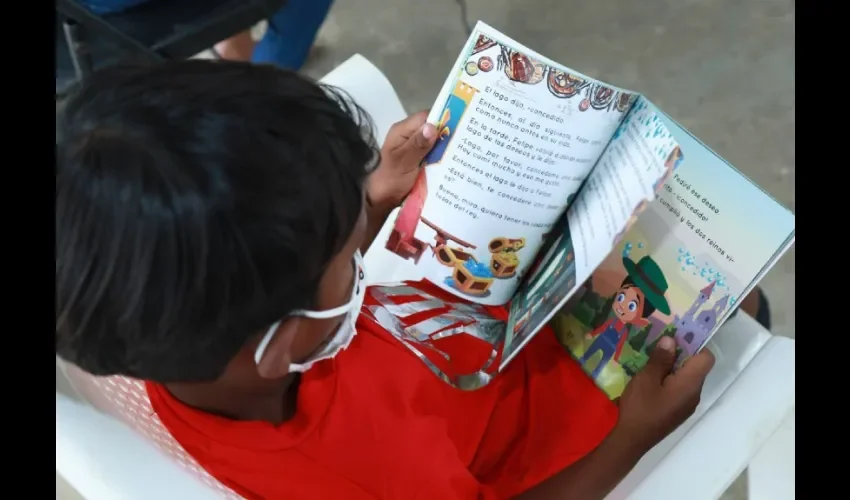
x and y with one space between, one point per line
630 304
197 203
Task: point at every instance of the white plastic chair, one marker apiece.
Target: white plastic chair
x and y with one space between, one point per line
746 417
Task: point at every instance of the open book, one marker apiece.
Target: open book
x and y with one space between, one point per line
548 188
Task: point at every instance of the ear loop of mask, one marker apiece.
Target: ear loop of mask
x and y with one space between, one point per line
330 313
264 344
327 314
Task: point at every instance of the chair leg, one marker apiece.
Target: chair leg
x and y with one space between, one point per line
771 473
80 55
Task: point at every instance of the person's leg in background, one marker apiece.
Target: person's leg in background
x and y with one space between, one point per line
291 33
236 48
102 7
239 47
756 305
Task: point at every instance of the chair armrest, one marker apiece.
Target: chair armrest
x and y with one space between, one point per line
104 460
370 89
719 446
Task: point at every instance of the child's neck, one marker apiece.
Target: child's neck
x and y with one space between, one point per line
274 402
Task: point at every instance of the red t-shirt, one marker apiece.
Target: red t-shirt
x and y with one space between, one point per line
375 422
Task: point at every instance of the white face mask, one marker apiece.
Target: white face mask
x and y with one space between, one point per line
344 333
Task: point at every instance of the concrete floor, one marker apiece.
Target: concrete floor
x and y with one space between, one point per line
722 68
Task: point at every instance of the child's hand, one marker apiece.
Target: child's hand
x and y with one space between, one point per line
657 401
407 143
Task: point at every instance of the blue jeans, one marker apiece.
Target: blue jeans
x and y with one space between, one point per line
291 32
607 343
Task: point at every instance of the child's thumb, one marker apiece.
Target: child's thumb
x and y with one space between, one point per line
662 358
419 144
425 137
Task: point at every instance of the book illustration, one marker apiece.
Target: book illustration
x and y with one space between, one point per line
453 111
607 330
442 126
485 64
483 43
624 101
630 303
505 261
520 68
564 85
549 281
640 294
402 240
469 275
694 327
597 96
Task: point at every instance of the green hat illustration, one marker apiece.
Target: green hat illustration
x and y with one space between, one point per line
650 279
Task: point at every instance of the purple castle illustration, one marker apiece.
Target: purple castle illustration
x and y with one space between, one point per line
693 328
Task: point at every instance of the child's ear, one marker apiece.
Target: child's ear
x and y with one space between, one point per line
278 356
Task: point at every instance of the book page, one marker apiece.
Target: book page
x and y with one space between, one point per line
633 167
518 134
679 271
457 341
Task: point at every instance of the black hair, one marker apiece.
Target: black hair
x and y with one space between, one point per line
648 308
197 202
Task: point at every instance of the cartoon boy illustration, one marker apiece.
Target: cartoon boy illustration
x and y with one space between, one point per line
641 294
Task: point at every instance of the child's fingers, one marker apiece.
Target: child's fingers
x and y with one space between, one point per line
402 131
693 372
417 146
661 359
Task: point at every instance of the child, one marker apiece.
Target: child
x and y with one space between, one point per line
209 222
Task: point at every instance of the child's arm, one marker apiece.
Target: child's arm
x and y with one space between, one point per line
594 476
655 403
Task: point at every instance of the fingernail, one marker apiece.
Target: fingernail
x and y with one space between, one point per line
668 344
429 131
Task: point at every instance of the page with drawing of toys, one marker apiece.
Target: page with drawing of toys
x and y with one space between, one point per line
517 136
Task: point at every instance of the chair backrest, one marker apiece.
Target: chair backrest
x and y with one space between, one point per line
127 401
